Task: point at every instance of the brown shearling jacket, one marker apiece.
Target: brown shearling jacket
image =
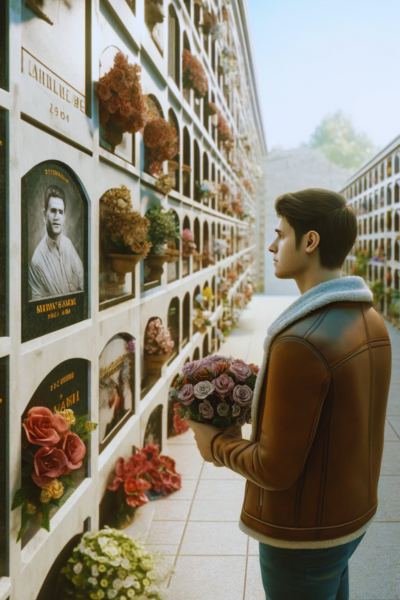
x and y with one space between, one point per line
313 470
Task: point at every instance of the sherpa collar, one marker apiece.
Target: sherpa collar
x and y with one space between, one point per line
345 289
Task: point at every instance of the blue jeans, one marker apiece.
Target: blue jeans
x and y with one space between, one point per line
320 574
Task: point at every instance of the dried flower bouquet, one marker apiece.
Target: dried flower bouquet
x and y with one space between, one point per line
193 74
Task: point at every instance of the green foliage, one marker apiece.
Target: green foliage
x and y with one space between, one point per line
163 227
377 289
359 268
337 139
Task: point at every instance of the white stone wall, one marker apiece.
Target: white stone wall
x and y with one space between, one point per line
38 133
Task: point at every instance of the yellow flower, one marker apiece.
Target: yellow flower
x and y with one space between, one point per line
89 426
207 293
102 568
146 581
68 415
31 509
104 583
45 496
55 488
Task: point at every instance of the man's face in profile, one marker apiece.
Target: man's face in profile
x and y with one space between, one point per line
55 217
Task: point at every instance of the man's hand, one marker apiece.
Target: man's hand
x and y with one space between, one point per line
203 434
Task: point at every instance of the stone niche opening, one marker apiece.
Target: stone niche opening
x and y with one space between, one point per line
154 428
116 386
54 586
65 387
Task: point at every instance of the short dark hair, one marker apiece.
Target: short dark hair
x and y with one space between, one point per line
53 191
328 214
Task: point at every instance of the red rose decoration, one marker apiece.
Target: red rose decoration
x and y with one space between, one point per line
43 428
74 450
49 463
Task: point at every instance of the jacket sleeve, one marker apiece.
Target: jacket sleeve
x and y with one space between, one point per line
298 381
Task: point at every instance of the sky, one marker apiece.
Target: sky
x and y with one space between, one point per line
314 57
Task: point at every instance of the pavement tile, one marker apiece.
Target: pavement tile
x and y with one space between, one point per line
184 438
216 510
375 565
210 471
391 459
213 539
186 492
388 499
208 578
188 460
254 548
171 511
164 549
390 433
254 586
165 532
228 490
395 423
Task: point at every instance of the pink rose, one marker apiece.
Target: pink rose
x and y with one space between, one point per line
48 463
74 450
43 428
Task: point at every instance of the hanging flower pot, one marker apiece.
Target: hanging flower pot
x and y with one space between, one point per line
123 264
172 253
153 13
193 74
186 169
156 262
112 134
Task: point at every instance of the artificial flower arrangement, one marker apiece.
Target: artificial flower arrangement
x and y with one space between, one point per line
146 475
189 246
54 446
163 230
193 74
179 425
231 275
201 317
122 104
207 189
217 390
162 143
209 22
110 565
153 13
224 131
164 183
238 299
249 291
207 257
208 297
220 246
158 339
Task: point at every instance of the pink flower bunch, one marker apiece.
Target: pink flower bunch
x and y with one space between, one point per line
120 95
187 235
145 470
158 338
61 452
162 142
193 74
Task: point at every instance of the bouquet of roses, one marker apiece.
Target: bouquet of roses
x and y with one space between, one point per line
146 475
54 446
217 390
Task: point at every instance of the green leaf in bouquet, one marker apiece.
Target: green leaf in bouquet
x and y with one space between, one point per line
44 516
21 496
182 412
173 395
28 456
26 470
25 522
251 381
67 481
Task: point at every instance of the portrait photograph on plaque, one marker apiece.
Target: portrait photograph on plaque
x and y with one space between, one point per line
4 471
54 250
64 393
116 386
3 224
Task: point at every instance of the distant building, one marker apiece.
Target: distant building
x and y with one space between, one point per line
374 193
291 171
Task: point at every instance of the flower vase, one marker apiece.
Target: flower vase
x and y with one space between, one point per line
156 262
154 362
202 329
123 264
112 133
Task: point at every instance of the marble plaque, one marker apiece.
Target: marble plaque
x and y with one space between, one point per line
66 386
4 437
3 224
54 250
116 386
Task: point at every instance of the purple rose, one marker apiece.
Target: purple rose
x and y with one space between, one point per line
203 389
240 370
223 409
186 395
217 358
223 385
240 421
190 369
206 409
242 395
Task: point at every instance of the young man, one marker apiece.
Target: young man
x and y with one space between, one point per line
319 407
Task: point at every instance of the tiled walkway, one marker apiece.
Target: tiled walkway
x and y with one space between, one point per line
197 526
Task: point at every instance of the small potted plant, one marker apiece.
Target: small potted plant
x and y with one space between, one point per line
122 104
125 232
163 229
193 74
161 142
158 346
153 13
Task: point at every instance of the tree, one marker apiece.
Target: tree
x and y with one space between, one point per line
337 139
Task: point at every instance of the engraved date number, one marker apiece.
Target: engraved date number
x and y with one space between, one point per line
59 113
